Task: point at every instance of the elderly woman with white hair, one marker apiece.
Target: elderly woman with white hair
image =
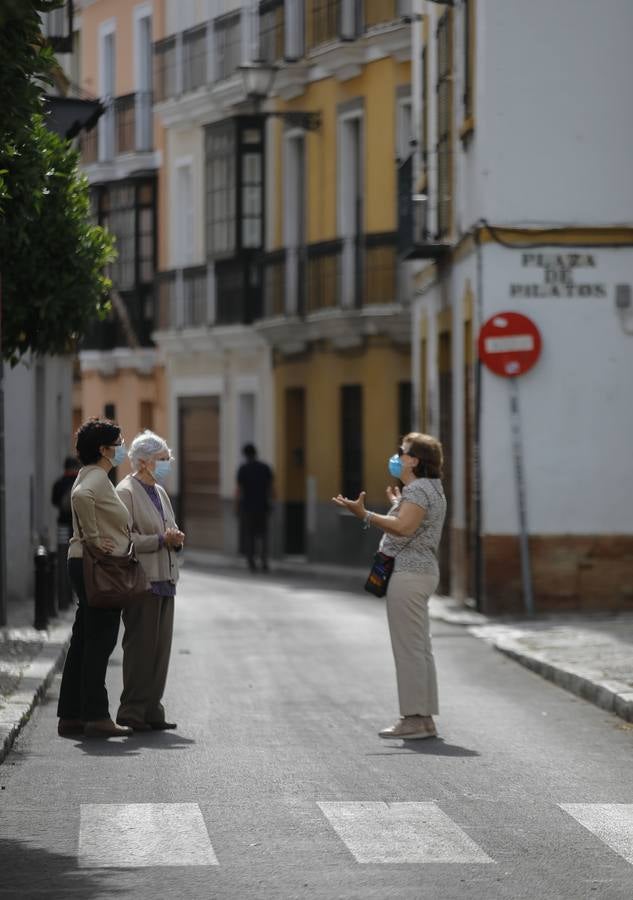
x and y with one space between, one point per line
149 623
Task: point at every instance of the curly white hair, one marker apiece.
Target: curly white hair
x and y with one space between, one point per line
145 446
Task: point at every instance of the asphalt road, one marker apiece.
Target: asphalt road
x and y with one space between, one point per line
276 786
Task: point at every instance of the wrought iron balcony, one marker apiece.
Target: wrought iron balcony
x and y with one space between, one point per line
323 275
133 119
183 298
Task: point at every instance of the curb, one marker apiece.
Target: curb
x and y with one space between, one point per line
612 696
16 709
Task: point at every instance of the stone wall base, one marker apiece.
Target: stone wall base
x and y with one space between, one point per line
570 573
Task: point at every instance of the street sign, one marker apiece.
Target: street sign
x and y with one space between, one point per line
509 344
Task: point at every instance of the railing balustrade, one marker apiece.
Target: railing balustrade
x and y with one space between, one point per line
380 269
274 278
194 285
323 276
194 58
165 69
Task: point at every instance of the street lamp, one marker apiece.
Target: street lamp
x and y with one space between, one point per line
258 79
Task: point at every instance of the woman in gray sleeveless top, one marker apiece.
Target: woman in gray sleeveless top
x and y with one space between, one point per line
412 531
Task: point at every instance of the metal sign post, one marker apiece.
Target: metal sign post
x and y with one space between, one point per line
517 455
509 345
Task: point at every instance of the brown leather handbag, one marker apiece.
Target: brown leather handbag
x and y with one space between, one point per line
113 582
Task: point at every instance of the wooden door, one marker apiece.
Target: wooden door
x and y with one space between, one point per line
199 470
295 467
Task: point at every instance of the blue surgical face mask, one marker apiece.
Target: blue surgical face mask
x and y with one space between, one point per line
120 455
162 469
395 466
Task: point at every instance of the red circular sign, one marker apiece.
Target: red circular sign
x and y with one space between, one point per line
509 344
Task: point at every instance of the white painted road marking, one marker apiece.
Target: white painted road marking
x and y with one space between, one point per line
126 835
401 833
611 822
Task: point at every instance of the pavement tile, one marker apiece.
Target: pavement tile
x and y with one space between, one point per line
591 656
28 661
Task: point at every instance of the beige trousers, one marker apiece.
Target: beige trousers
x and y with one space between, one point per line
408 616
146 648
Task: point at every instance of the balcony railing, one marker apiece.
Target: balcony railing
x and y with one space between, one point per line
380 269
89 146
274 277
194 58
323 276
381 12
165 69
134 320
324 22
272 30
125 127
195 307
133 120
182 298
227 33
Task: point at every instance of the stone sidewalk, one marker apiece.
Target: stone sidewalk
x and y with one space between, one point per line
591 656
28 662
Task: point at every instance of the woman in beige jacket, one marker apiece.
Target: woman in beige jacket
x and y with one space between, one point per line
100 519
149 623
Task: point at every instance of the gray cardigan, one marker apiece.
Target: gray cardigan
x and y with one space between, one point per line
159 563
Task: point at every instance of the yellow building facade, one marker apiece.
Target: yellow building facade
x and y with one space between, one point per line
335 311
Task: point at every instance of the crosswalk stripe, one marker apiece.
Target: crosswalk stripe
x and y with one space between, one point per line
611 822
401 833
126 835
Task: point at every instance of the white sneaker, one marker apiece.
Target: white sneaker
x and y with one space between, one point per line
409 728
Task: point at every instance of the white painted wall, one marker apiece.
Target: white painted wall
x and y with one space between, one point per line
575 405
553 112
186 146
38 437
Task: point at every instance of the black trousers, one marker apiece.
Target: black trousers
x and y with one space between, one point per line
255 532
83 693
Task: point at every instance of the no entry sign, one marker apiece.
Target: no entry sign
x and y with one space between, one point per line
509 344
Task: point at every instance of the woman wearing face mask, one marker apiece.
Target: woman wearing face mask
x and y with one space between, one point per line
99 518
412 530
149 623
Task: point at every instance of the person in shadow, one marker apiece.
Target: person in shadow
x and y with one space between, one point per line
253 499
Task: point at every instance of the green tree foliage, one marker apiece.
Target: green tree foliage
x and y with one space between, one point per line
52 258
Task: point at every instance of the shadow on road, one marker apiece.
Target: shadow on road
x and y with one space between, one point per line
132 746
30 872
436 747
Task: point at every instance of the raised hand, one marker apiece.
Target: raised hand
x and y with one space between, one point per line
393 494
355 506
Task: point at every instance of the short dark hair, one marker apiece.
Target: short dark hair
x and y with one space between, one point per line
429 451
249 451
93 434
71 463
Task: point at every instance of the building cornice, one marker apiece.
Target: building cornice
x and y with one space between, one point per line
209 340
122 167
342 328
110 362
